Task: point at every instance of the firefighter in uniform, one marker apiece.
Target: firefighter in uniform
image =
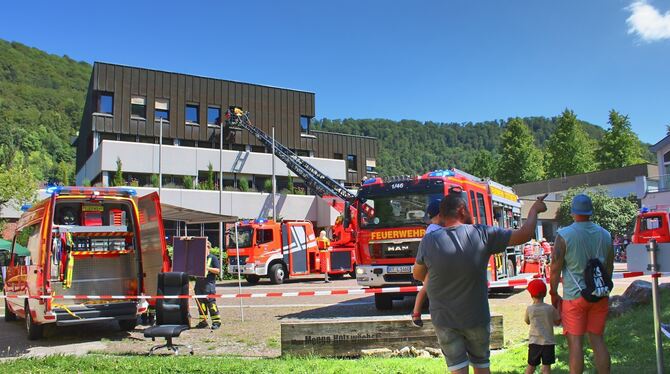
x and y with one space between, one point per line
205 286
323 243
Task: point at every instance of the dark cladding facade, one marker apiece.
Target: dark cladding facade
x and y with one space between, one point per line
126 103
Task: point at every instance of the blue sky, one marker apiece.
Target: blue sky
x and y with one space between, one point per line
426 60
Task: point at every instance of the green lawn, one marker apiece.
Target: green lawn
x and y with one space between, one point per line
630 339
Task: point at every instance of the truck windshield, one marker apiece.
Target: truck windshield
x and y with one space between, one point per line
244 235
397 210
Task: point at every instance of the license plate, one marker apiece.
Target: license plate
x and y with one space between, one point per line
399 269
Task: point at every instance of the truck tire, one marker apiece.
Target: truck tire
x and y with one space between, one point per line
277 274
34 330
252 279
9 315
128 324
383 302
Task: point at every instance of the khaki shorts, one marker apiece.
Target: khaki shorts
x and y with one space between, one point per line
465 347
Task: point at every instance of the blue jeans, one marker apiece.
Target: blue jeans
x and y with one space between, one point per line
464 347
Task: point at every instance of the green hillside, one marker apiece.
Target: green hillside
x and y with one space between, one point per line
42 98
41 103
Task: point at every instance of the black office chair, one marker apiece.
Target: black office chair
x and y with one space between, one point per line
171 314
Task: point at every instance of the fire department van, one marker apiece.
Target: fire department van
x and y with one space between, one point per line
85 241
279 250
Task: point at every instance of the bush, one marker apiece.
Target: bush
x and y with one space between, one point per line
267 185
188 182
154 180
243 184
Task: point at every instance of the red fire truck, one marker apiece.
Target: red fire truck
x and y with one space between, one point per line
389 233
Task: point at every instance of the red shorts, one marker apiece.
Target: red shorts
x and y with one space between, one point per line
580 316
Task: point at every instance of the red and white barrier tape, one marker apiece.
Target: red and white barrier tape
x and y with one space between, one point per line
358 291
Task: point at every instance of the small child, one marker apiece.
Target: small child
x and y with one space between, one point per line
541 317
433 218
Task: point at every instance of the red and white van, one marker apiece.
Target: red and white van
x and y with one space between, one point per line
85 241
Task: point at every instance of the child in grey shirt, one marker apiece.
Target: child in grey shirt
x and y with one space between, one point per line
541 317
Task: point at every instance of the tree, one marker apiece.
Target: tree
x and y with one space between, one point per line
484 165
209 185
614 214
64 173
17 185
154 180
243 184
118 176
520 159
267 185
620 146
290 187
569 150
188 182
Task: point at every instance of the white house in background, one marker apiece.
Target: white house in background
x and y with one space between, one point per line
657 188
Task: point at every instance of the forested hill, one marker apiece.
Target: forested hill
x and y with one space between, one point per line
41 103
410 147
42 98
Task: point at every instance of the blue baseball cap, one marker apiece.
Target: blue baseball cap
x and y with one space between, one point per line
433 209
582 205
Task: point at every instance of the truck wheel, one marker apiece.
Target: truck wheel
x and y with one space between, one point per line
252 279
128 324
9 315
277 274
34 330
383 302
511 269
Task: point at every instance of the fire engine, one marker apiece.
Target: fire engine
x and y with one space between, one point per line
389 233
85 241
649 225
282 249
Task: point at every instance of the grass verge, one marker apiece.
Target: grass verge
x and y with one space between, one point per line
630 339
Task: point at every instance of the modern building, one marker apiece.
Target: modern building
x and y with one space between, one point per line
620 182
657 187
121 127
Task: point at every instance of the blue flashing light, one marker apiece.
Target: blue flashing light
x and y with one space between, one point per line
369 181
54 189
644 210
245 222
25 207
261 220
129 191
442 173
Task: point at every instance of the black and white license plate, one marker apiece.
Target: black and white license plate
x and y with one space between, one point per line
399 269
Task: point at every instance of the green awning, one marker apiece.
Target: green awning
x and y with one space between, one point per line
6 245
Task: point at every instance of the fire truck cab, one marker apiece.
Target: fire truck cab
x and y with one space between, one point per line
85 241
649 225
389 232
279 250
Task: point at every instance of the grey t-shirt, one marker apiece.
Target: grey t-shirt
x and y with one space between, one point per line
456 258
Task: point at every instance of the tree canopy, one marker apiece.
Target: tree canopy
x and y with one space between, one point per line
569 150
520 158
614 214
620 146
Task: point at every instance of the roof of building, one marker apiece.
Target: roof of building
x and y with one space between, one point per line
596 178
662 143
200 76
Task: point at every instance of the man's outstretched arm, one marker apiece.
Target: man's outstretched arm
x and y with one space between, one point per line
527 230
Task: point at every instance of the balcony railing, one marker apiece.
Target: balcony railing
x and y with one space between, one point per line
658 184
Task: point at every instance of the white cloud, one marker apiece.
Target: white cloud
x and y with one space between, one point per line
647 22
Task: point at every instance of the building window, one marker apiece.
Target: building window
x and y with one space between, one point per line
302 152
338 156
162 109
370 166
304 124
352 163
192 113
258 149
213 115
138 107
105 103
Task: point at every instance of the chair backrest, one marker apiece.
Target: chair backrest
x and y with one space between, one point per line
172 311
